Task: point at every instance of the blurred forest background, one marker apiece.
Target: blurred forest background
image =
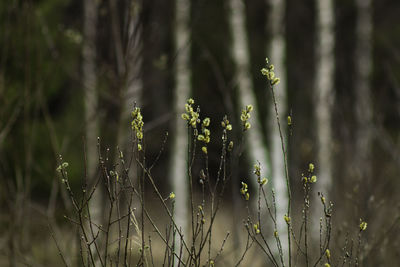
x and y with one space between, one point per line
73 70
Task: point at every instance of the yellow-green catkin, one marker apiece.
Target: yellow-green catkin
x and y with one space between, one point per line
244 191
230 146
205 135
137 126
226 124
114 175
245 116
257 172
205 132
287 219
313 179
276 233
191 116
310 178
311 167
268 71
62 166
257 169
263 181
363 225
328 254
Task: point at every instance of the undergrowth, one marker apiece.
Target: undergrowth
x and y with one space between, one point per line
124 233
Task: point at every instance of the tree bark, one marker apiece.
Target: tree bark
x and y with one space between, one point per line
178 167
363 104
255 144
277 57
257 150
324 100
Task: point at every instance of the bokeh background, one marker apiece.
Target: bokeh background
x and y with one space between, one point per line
55 55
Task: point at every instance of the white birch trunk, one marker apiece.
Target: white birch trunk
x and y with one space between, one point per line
254 139
324 99
363 106
178 168
255 146
277 57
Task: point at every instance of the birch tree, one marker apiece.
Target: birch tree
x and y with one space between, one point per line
324 98
178 169
277 56
363 105
256 147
